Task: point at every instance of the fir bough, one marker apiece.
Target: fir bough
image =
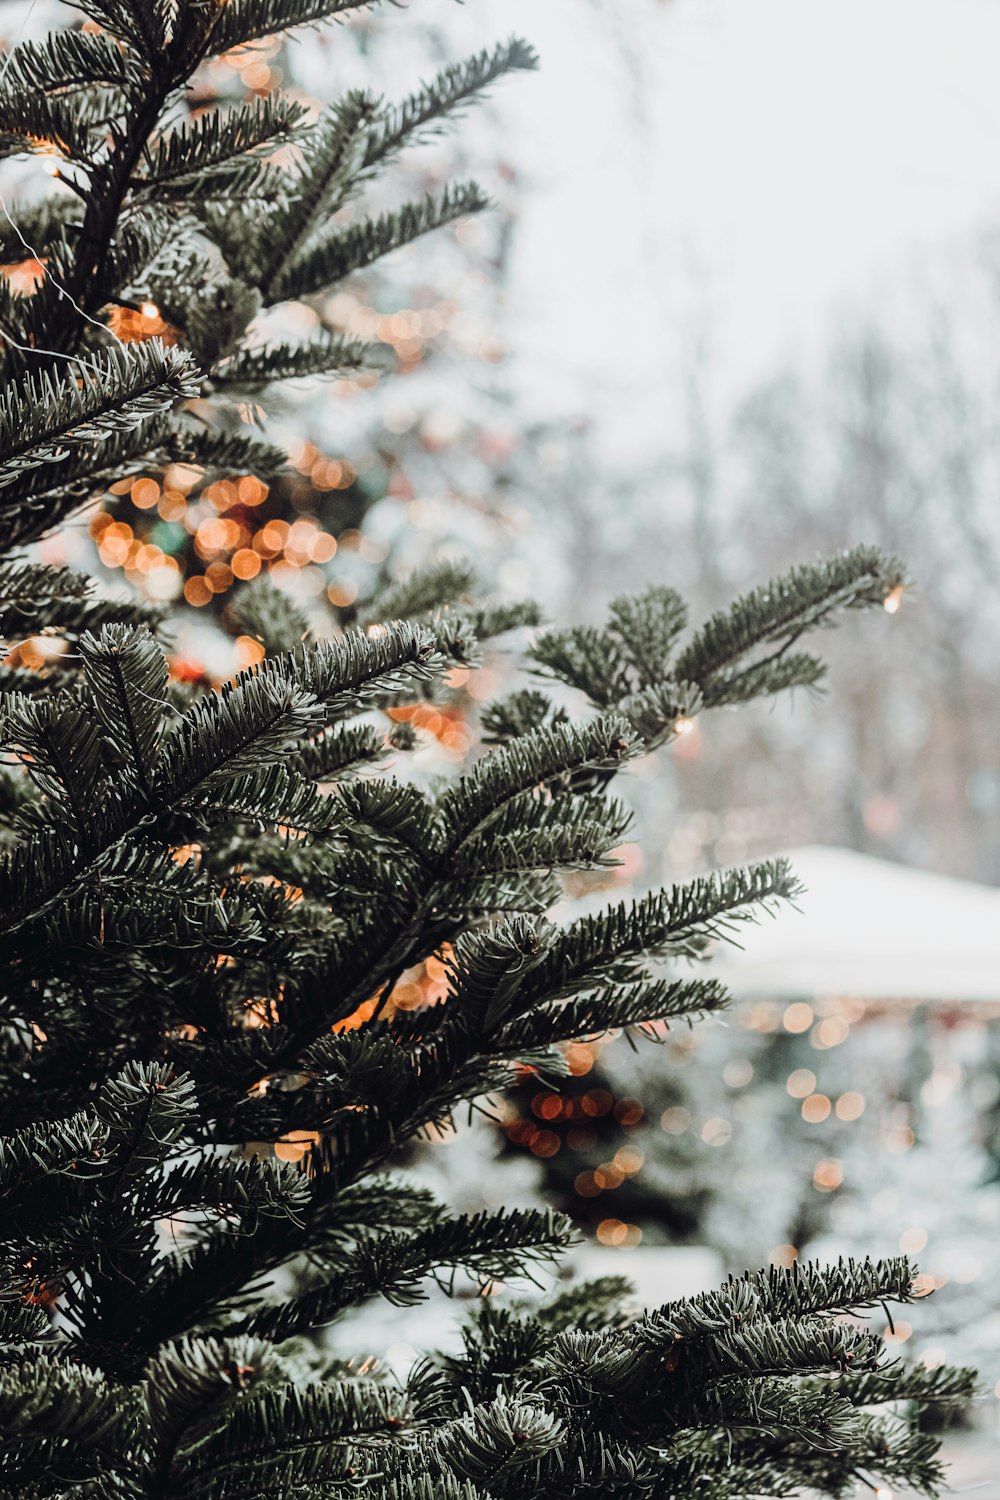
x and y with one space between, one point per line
205 907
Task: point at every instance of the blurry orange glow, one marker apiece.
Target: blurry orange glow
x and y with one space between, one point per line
197 591
132 325
900 1331
831 1032
172 505
609 1175
801 1083
545 1143
828 1174
364 1013
596 1102
145 493
25 276
251 490
219 577
245 564
629 1111
342 594
295 1145
579 1058
248 652
322 547
614 1232
443 722
798 1017
547 1106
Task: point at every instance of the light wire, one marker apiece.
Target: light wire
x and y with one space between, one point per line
39 259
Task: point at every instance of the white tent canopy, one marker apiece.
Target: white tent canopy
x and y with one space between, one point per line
872 930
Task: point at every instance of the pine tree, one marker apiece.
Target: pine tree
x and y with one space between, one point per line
205 905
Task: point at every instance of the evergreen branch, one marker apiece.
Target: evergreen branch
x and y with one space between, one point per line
518 714
780 1295
529 834
250 370
138 897
35 597
242 21
71 1146
500 1438
343 751
218 141
188 1387
360 667
334 257
230 733
536 760
234 1186
41 498
941 1386
42 416
61 745
488 969
222 737
674 923
647 626
48 1399
307 1434
586 658
270 616
609 1008
127 675
329 162
69 62
273 796
396 814
49 123
431 588
225 451
491 620
489 1246
145 1109
777 614
424 112
142 24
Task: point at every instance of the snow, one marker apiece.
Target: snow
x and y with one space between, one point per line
872 930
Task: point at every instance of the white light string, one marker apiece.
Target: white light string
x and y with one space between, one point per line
46 273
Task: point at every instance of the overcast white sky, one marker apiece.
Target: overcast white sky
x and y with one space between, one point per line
772 159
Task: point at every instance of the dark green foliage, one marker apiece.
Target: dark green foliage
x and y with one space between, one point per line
181 1381
40 417
205 908
160 199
